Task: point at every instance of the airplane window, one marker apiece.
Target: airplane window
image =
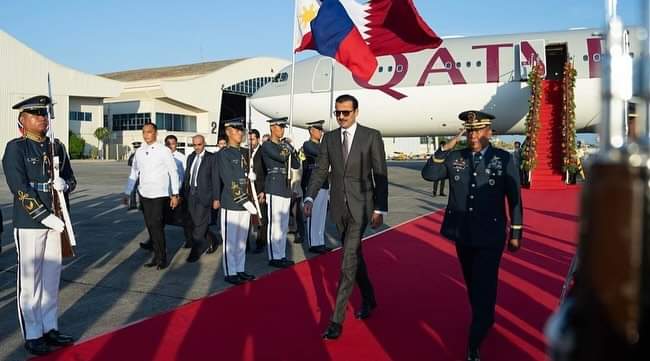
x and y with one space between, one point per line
478 63
468 64
390 68
448 65
458 65
597 58
585 57
381 69
399 68
631 55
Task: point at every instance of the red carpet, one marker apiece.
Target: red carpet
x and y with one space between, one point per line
423 313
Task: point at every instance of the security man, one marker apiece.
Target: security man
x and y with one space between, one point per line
277 155
315 225
236 205
37 231
481 178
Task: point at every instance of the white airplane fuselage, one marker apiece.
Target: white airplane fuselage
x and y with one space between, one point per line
422 93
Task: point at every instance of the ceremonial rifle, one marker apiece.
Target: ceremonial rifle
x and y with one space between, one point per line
59 205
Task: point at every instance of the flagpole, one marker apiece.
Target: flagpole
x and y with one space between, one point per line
293 67
331 105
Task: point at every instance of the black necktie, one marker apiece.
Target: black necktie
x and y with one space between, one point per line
477 159
345 146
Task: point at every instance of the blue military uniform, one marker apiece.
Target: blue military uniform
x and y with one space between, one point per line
277 186
476 217
236 208
315 224
27 165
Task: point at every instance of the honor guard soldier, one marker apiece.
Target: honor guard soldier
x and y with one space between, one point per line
315 225
277 155
236 207
37 231
481 178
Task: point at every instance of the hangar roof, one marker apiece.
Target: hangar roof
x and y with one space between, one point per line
177 71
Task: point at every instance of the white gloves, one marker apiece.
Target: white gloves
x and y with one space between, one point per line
59 184
250 207
252 176
54 223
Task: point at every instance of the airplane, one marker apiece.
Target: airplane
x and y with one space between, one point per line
422 93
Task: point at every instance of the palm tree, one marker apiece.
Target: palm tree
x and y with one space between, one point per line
101 134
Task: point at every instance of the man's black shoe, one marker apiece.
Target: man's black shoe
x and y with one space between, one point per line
37 346
197 250
473 355
162 265
258 249
287 262
56 338
319 249
213 246
152 263
277 263
333 331
245 276
148 245
366 310
235 280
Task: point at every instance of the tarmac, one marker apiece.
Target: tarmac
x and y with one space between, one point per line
106 287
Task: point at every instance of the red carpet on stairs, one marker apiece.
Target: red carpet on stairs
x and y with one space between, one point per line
548 173
423 313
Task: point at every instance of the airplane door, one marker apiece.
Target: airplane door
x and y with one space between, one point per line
531 52
322 78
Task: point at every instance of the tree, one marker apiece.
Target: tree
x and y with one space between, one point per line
101 134
76 147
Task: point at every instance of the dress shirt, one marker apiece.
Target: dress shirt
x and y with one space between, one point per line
195 166
155 167
181 161
350 131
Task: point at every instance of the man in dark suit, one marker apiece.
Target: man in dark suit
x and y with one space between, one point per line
202 194
359 195
481 178
260 175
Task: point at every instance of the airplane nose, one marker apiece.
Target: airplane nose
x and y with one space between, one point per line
267 103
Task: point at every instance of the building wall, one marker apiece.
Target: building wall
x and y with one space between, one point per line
23 74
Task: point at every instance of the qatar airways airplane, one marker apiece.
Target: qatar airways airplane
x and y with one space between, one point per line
419 94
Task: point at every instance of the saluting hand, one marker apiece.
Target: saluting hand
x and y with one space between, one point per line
452 143
514 245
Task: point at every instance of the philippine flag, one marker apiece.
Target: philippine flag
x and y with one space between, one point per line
333 33
355 34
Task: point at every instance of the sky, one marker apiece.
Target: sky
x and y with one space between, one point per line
97 36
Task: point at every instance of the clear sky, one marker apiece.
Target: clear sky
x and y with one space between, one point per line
98 36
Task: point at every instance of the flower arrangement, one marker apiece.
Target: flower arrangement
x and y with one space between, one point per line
529 153
571 161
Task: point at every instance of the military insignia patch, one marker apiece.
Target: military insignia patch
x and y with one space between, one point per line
29 204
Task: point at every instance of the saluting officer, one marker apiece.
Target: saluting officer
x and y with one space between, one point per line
37 231
276 155
315 224
481 178
236 207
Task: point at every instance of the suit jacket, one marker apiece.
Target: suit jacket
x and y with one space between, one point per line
476 212
207 178
361 183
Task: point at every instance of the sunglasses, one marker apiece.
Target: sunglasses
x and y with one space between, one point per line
37 111
345 113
